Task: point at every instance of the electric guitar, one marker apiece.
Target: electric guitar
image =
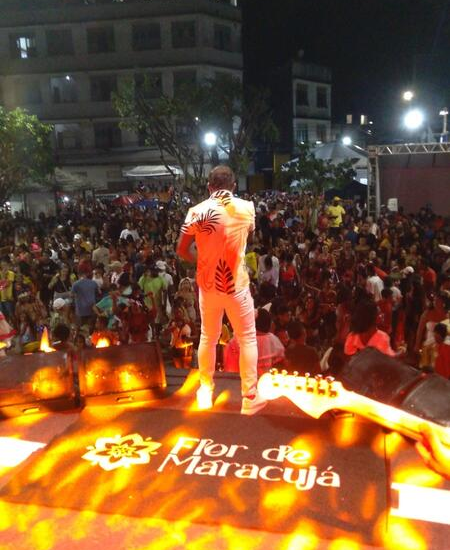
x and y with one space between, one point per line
317 395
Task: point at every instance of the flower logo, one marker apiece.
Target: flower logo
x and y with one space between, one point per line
117 452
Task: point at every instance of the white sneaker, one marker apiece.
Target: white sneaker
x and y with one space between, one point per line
252 406
204 398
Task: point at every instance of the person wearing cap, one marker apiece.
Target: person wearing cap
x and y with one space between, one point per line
335 212
115 270
59 313
154 288
168 280
220 227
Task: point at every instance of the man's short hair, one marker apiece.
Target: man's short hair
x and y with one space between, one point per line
295 329
263 320
221 177
441 329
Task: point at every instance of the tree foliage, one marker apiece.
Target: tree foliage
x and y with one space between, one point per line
177 125
314 174
26 154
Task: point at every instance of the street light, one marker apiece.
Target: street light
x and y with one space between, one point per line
414 119
408 95
347 140
210 140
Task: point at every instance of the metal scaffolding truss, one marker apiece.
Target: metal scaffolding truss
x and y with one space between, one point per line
408 149
377 151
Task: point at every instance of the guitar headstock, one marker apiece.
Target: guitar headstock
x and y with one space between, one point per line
314 395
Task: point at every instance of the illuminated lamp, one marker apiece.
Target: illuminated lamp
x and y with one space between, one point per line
121 374
45 342
103 343
38 382
182 355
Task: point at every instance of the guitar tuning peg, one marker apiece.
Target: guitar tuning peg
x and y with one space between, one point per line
273 372
331 391
308 386
284 372
295 373
319 379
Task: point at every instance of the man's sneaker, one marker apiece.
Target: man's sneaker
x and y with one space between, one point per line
204 398
252 405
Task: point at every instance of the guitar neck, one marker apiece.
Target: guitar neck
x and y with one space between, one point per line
393 418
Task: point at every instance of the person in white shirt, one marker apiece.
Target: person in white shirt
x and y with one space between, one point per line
374 283
275 269
220 227
129 230
101 255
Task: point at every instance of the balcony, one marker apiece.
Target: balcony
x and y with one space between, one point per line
310 71
121 60
79 12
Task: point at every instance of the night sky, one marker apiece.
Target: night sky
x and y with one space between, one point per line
376 48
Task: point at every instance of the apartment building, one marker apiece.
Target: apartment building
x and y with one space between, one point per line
302 103
62 60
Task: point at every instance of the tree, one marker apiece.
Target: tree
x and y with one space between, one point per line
314 174
177 125
26 155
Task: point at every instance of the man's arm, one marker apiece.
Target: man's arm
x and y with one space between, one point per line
184 248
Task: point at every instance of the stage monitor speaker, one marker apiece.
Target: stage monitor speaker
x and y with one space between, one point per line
37 383
121 374
382 378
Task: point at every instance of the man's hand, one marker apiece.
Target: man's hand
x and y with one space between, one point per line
434 453
185 249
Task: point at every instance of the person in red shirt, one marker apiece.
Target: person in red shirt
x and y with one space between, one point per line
384 321
442 363
364 332
428 275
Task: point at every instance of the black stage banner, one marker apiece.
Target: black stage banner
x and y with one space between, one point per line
271 473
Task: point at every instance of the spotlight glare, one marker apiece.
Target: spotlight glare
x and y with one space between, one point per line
347 140
414 119
210 139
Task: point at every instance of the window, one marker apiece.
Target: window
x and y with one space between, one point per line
183 34
68 136
59 42
64 89
102 87
142 136
301 133
150 85
146 37
107 135
222 38
301 97
28 92
183 131
322 98
181 79
321 132
22 46
100 40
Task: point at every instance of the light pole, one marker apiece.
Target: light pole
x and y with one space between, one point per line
444 114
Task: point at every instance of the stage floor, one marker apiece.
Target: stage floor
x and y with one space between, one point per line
47 521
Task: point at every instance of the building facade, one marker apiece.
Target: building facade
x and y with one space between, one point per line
64 63
302 104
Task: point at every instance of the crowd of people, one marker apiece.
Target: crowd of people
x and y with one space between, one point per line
322 276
